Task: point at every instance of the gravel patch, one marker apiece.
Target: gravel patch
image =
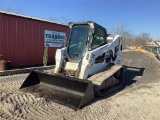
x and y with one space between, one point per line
139 100
141 67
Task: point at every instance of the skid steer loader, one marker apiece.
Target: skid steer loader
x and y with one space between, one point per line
89 66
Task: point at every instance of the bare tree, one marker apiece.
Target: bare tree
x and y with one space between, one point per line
127 38
119 29
142 39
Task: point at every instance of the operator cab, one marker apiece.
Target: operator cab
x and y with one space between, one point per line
84 37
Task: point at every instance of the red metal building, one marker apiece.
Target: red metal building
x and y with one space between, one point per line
22 39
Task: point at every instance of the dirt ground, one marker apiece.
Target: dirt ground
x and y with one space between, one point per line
139 99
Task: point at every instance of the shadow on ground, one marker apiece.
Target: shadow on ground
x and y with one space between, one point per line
131 74
130 77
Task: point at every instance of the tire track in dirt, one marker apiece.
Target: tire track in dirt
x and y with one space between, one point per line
22 105
27 106
8 88
19 103
15 104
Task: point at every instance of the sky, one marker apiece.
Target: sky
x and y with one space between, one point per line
138 16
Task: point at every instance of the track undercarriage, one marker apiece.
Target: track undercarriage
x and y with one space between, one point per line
108 80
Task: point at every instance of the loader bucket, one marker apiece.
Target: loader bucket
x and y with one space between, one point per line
73 92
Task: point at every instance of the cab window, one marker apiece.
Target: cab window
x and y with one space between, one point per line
98 39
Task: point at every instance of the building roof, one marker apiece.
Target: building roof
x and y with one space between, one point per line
158 43
29 17
153 43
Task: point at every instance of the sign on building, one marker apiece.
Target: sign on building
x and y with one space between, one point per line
54 39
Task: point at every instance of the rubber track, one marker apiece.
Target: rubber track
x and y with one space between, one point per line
98 78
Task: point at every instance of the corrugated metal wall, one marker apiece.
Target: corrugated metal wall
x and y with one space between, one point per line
22 39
